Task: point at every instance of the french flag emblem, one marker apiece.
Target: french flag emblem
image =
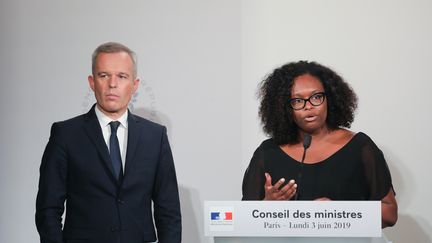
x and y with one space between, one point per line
221 216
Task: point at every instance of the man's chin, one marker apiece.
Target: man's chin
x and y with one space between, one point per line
110 109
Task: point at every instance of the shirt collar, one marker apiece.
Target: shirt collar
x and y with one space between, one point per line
104 120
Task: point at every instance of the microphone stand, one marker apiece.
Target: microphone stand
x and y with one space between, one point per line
306 143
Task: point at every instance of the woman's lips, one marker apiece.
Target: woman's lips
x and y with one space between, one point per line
310 118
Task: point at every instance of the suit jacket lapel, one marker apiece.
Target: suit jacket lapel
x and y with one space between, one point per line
134 134
93 130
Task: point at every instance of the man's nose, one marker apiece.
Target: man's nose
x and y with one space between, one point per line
112 82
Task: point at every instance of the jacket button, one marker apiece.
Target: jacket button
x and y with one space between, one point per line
114 229
120 201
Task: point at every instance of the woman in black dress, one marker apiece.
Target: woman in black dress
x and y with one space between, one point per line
307 98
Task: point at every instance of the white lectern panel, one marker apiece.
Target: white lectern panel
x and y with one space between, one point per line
300 240
293 218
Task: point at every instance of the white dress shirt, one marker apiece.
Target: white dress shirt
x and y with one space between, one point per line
122 131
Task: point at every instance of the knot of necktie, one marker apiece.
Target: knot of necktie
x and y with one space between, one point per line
114 126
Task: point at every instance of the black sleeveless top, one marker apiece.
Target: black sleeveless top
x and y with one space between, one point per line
357 171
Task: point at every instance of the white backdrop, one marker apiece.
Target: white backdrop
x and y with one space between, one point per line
188 59
200 62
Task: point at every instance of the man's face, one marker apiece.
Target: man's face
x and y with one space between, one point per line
113 82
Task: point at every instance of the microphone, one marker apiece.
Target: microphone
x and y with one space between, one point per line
307 140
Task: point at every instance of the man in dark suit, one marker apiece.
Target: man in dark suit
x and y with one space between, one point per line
109 166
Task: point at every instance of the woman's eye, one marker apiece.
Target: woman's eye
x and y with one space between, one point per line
317 96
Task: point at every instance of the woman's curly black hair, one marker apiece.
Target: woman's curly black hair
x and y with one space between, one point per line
275 91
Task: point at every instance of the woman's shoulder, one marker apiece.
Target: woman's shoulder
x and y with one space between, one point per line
265 147
363 141
351 140
268 144
362 137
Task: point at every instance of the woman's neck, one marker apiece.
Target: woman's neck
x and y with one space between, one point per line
317 135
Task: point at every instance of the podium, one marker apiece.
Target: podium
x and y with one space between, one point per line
300 240
293 221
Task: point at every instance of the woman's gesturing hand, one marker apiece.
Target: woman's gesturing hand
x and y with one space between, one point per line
277 191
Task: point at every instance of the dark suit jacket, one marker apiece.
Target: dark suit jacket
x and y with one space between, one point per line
76 168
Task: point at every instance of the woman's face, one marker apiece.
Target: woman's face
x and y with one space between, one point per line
311 118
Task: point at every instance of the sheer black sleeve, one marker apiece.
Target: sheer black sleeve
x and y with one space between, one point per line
254 178
376 170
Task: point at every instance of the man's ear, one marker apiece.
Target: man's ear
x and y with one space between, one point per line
136 84
91 81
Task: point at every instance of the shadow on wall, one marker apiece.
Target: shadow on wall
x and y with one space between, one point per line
154 116
191 228
408 229
189 198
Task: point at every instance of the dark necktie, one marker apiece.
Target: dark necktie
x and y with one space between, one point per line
115 149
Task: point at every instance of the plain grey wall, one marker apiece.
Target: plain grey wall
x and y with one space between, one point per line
200 62
189 64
